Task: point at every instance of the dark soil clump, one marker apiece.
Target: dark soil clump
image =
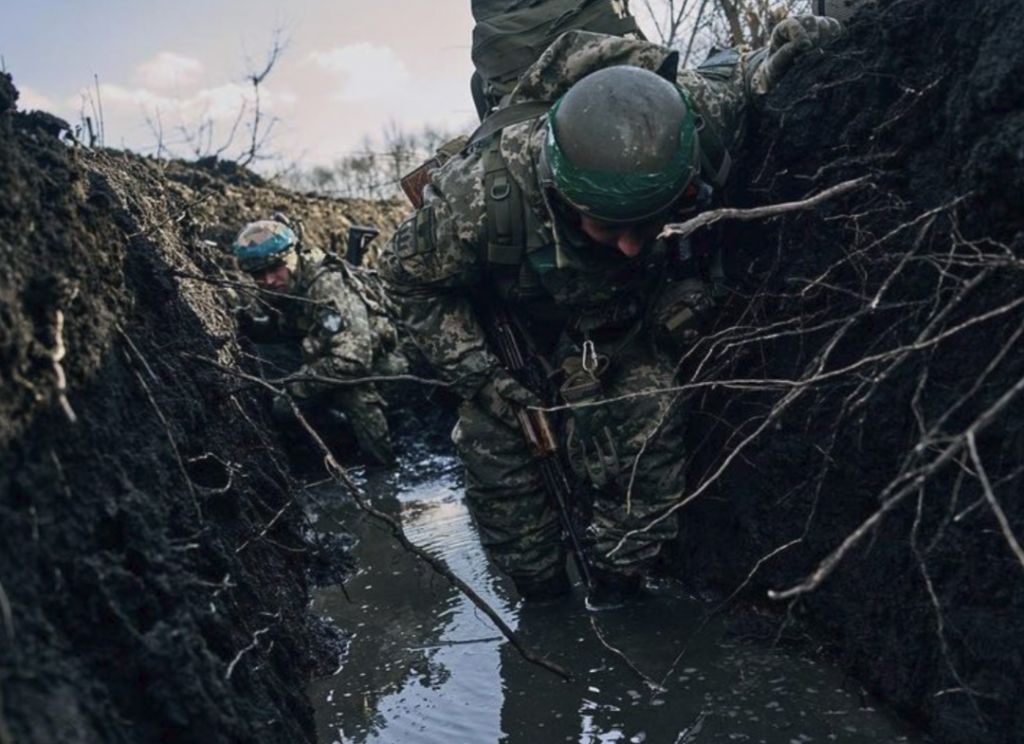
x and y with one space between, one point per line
153 566
871 337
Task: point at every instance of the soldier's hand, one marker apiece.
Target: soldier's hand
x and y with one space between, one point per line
791 38
808 31
503 395
256 325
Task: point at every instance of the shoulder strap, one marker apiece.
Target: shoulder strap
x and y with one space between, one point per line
715 160
506 234
509 224
506 117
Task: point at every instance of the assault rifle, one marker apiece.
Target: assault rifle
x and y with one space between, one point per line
358 238
537 429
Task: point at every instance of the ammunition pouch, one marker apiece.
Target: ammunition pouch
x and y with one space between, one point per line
581 385
506 233
590 445
612 318
682 313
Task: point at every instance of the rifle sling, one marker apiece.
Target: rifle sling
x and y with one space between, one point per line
506 117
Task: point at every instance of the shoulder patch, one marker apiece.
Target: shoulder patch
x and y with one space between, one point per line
331 322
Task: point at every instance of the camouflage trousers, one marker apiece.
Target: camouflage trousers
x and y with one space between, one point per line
364 409
626 451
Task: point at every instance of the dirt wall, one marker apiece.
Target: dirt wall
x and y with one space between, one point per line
153 561
868 366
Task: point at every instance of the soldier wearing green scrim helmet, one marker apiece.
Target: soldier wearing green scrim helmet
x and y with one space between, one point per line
621 145
557 218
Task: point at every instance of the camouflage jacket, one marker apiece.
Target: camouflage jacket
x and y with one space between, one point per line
438 259
345 320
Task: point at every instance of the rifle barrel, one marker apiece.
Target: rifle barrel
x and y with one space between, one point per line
537 429
556 480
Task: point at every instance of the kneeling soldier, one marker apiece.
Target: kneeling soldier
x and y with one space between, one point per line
345 326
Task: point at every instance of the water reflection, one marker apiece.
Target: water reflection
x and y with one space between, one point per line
425 666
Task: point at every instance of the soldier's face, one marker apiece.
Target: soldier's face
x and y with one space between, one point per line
275 278
628 239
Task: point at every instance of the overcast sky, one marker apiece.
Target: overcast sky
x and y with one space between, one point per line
350 66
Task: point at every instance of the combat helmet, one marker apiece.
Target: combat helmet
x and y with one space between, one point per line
622 145
266 243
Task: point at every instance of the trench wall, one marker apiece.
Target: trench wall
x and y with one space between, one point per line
860 344
153 561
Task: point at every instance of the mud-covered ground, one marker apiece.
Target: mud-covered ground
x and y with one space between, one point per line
864 341
153 560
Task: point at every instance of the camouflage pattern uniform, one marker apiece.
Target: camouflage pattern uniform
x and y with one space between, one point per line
566 291
343 317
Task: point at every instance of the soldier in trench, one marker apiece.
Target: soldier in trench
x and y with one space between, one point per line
557 218
344 322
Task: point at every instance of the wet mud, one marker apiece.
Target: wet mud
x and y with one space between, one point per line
928 608
422 665
153 561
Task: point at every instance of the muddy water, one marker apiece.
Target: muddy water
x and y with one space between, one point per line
424 666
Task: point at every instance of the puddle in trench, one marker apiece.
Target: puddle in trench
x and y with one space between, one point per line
425 666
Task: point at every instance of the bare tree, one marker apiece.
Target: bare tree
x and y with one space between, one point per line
156 127
694 26
90 115
259 131
402 151
202 136
375 170
668 17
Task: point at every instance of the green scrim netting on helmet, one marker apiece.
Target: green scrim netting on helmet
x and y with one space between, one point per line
625 197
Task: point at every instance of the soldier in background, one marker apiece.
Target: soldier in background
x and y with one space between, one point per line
343 320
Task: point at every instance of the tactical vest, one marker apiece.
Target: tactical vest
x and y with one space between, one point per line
515 256
371 294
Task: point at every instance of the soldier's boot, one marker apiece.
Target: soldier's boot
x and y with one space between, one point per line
364 409
546 589
611 589
374 443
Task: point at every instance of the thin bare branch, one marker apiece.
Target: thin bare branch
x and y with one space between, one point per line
682 229
993 502
6 614
435 563
621 655
167 427
890 502
251 647
332 381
